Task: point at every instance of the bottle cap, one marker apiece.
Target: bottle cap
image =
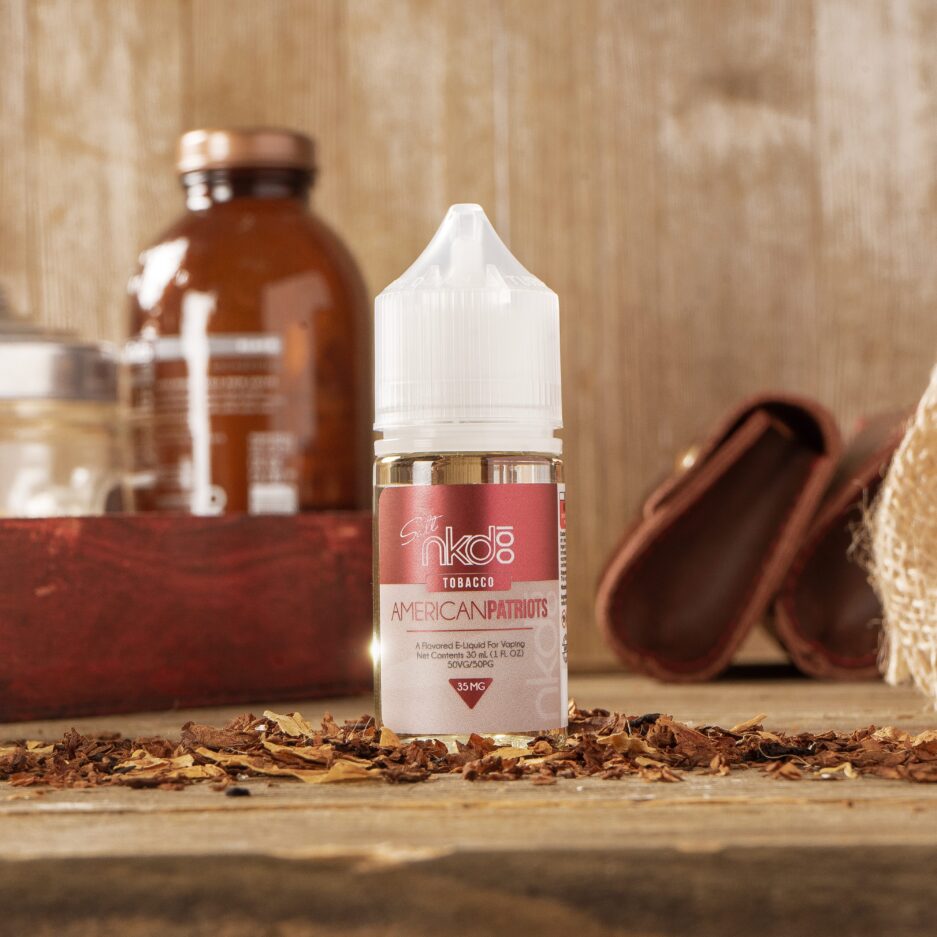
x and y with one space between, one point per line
467 348
246 148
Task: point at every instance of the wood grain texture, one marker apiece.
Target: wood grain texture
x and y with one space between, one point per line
103 99
708 856
279 63
728 196
422 122
122 613
630 892
876 134
15 268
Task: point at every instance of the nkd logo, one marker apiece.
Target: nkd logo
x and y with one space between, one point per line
445 549
470 549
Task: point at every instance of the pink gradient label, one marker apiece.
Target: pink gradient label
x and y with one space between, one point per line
472 608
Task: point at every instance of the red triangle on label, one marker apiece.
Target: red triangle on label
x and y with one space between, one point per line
472 690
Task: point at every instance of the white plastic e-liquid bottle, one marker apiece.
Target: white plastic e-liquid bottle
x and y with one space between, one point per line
470 521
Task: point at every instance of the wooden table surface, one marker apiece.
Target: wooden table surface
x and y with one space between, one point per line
727 856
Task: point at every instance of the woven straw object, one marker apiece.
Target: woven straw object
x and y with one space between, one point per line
903 541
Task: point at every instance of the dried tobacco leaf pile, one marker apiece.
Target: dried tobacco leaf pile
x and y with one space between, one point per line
600 744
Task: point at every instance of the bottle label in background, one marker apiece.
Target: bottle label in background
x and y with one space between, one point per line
472 608
208 402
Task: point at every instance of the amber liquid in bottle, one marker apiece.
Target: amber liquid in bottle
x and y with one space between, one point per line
464 469
254 312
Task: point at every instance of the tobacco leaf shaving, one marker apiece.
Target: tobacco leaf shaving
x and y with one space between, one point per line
626 744
754 723
601 744
293 725
318 754
389 738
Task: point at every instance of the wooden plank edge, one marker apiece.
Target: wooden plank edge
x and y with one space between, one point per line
630 891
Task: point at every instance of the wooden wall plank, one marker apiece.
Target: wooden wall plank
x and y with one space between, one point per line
876 145
736 248
15 267
397 94
278 63
104 105
421 107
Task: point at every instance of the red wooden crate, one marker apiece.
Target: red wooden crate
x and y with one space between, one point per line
134 612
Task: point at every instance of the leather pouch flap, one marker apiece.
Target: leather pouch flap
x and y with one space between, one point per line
701 565
827 614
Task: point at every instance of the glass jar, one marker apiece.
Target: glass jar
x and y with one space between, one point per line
61 442
246 334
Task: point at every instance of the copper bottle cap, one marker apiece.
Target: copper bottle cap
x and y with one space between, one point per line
246 148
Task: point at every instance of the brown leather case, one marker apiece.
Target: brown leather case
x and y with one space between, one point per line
826 614
705 560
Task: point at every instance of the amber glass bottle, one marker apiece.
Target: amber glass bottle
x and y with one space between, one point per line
246 322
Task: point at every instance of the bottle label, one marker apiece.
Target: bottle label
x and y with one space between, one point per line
472 604
215 423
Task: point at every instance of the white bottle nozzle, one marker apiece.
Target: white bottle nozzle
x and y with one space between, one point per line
466 262
467 349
